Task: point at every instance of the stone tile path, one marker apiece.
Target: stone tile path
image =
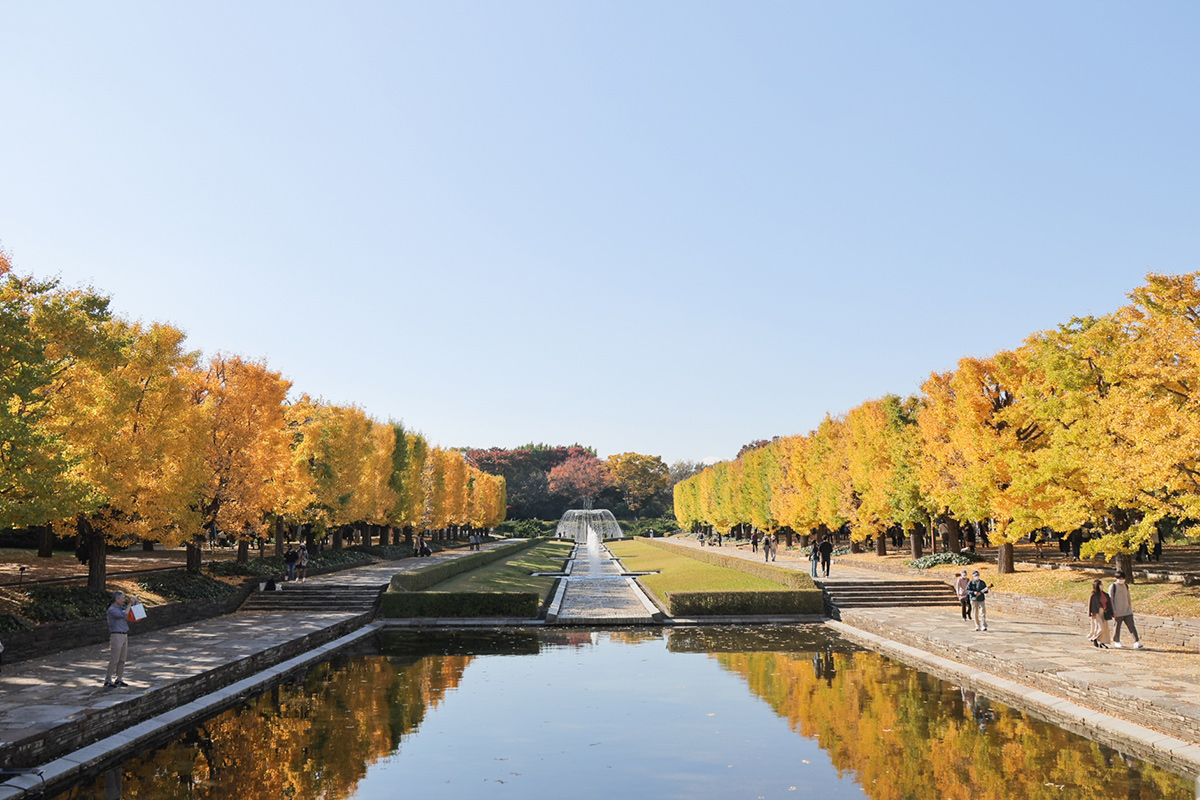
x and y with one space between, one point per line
595 593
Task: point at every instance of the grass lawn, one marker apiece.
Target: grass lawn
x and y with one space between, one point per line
681 573
1161 599
513 574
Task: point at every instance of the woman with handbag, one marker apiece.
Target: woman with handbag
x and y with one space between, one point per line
1100 611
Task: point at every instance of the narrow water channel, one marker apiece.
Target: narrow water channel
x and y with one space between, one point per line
685 713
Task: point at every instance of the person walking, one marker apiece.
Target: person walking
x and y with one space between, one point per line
814 556
302 563
754 542
960 589
826 550
1100 612
118 638
289 562
1122 609
774 537
977 591
766 543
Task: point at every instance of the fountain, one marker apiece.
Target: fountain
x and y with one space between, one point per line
579 522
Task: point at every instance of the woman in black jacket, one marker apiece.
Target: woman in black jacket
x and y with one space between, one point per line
1100 611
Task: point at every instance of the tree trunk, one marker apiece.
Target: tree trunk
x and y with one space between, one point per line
46 541
1004 559
243 554
279 536
147 546
855 546
310 539
915 538
97 556
1125 564
337 537
948 529
881 543
195 557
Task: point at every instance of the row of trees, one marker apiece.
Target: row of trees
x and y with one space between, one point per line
1094 426
113 431
544 481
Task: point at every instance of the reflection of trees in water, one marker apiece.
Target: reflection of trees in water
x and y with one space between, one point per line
903 735
314 739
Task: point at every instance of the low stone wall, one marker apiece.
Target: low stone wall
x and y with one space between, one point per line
1182 632
44 746
54 637
1079 689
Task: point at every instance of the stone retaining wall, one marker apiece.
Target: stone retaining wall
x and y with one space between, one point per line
44 746
1130 706
54 637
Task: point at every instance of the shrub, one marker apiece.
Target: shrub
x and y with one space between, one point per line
11 624
183 585
388 552
273 565
938 559
522 605
58 603
783 601
424 577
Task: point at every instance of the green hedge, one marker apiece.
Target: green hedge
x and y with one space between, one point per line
59 603
521 605
759 569
183 585
423 578
706 604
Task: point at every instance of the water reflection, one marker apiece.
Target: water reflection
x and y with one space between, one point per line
692 712
906 734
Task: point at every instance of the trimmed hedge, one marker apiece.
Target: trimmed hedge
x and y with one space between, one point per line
759 569
521 605
707 604
423 578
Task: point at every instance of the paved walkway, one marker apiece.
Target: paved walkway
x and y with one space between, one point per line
595 593
63 690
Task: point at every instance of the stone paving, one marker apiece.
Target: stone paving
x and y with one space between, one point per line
595 593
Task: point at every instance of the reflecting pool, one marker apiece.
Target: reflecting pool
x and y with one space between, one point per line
685 713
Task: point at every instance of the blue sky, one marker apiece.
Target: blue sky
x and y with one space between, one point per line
664 227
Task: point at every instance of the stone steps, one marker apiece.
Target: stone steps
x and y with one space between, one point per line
868 594
316 598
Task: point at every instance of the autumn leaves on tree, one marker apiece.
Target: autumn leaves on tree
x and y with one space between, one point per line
116 432
1093 426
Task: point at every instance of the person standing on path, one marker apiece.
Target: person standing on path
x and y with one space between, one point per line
289 561
814 556
977 590
754 542
1122 609
302 563
1100 611
118 638
826 550
960 589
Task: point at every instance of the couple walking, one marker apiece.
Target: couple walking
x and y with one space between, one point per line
1115 605
972 594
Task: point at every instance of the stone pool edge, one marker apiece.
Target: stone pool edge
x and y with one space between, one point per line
1122 734
66 770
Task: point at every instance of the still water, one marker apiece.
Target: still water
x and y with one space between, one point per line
684 713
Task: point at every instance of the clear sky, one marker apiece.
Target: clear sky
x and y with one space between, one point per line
668 227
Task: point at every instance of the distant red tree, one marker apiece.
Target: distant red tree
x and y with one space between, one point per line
580 476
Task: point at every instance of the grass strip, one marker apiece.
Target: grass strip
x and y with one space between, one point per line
515 573
425 577
782 576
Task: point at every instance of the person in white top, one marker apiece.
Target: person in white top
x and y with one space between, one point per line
1122 609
